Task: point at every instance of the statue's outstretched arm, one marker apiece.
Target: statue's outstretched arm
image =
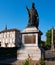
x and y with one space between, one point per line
27 8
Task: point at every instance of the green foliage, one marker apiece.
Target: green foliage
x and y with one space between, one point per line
41 62
47 44
48 39
37 63
26 62
43 45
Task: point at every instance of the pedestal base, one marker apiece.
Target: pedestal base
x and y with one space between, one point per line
31 38
33 52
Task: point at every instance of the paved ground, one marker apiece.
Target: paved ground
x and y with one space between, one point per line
7 61
12 61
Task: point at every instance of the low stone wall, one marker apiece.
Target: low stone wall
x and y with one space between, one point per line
49 57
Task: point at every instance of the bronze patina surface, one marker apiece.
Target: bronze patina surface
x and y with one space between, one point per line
33 16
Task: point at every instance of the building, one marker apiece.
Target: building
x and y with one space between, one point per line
10 38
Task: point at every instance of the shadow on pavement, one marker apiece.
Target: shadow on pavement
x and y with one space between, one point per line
8 56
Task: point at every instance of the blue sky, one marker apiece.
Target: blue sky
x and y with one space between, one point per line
13 13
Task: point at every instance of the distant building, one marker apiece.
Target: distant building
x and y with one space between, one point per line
10 38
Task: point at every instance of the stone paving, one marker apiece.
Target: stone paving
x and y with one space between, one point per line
15 62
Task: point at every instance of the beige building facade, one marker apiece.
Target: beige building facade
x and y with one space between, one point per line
10 38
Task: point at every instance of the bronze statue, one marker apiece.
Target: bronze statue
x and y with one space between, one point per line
33 16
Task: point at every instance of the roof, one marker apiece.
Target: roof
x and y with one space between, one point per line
8 30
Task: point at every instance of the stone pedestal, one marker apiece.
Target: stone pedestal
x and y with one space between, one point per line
31 40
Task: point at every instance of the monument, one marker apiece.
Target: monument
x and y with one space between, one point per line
52 39
31 37
33 17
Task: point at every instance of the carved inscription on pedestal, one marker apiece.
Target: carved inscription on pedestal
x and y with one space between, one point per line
30 39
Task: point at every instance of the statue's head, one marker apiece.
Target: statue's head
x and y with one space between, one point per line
33 5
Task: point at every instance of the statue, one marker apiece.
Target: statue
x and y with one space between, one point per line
33 16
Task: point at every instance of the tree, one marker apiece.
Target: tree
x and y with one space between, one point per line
48 39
